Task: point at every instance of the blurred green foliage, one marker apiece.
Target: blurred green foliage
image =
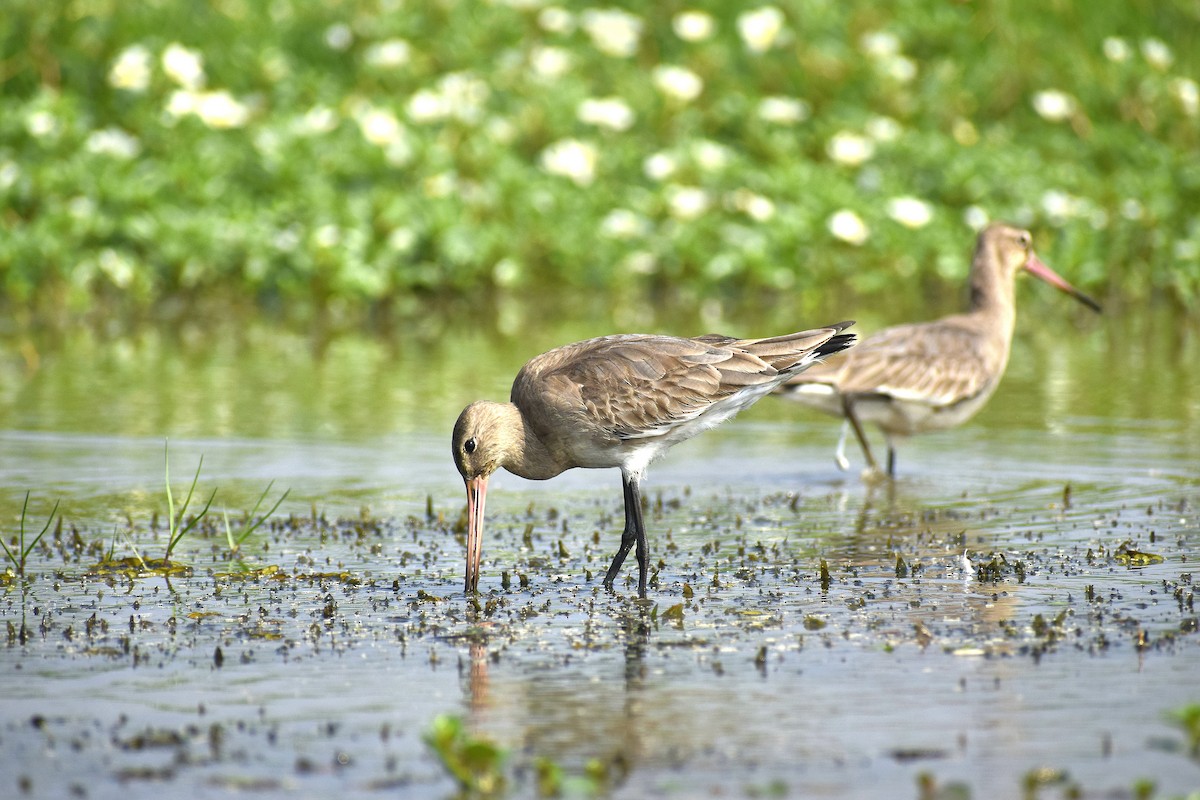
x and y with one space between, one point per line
379 153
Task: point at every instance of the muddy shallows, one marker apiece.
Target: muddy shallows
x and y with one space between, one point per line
827 645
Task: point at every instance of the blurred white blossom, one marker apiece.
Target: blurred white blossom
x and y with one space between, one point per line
379 126
1157 53
131 69
1053 105
388 54
1187 93
221 109
612 113
849 227
402 239
911 212
318 119
783 110
678 83
327 236
555 19
10 173
339 37
117 266
710 156
550 62
621 223
113 142
1116 49
458 95
883 129
41 124
613 32
693 26
760 28
687 202
572 159
660 166
850 148
879 44
975 217
753 205
185 67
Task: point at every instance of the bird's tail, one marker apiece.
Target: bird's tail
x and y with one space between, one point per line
794 351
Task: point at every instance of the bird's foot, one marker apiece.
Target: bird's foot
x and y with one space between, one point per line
874 476
842 462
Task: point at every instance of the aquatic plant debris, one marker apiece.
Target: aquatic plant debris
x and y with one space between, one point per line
360 667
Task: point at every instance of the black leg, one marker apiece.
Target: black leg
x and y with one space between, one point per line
633 534
891 461
848 412
633 496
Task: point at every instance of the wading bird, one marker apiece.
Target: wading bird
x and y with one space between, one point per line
620 401
932 375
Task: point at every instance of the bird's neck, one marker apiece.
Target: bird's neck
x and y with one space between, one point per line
523 452
992 294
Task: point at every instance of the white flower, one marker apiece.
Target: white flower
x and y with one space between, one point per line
571 158
442 184
975 217
388 54
710 156
131 69
755 206
221 110
9 174
1116 49
550 62
911 212
402 240
760 28
117 266
660 166
1157 54
621 223
554 19
41 124
327 236
380 126
339 37
879 44
901 69
849 227
687 202
181 103
850 148
678 83
426 106
1053 105
113 142
1187 93
318 119
783 110
184 66
613 32
883 129
693 26
612 113
464 94
506 272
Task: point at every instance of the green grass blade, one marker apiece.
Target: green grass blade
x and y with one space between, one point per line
45 528
252 528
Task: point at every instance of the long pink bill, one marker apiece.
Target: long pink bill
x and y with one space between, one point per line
476 497
1036 267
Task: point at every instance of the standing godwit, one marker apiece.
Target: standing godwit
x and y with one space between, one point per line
620 401
931 375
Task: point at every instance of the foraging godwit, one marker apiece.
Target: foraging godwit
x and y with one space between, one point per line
620 401
931 375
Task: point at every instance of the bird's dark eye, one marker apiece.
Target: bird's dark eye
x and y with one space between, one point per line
469 445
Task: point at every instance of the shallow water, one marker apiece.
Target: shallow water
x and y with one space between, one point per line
764 682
